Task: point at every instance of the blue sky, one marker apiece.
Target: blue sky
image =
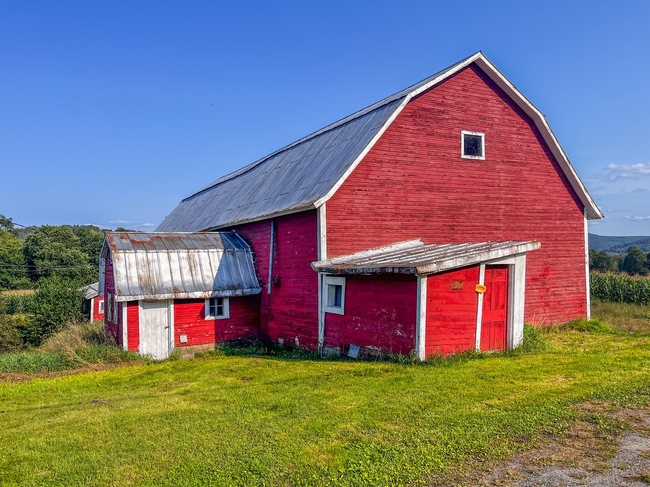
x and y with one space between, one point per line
112 112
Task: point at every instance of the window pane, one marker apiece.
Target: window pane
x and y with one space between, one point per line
472 145
212 307
334 295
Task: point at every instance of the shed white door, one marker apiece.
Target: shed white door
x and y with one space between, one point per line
155 329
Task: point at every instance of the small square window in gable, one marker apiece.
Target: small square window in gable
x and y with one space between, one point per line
472 145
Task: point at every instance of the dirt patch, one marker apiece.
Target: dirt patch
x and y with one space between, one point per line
606 446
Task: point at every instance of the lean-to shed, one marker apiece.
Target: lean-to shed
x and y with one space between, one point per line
178 289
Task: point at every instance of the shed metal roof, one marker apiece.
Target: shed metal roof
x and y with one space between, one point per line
163 265
90 291
415 257
306 173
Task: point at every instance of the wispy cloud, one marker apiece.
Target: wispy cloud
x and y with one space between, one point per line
619 171
637 218
148 225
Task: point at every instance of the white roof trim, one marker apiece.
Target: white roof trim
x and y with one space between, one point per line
538 117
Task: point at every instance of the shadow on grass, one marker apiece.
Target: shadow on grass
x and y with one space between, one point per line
533 342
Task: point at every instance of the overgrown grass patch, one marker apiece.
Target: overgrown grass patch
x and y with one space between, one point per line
76 345
260 419
34 361
624 317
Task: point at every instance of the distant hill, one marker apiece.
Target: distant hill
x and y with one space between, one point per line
617 245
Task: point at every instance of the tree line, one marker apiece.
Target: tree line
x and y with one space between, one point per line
634 262
54 262
67 252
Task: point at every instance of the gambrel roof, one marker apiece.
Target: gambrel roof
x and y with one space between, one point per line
306 173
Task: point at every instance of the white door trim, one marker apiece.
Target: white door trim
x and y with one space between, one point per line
169 327
516 300
125 335
421 319
479 309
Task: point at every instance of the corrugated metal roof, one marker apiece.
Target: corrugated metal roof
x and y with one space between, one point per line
415 257
300 175
90 291
291 178
161 265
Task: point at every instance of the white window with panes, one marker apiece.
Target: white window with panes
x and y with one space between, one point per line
217 308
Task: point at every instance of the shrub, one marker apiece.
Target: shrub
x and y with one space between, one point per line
10 336
57 301
75 336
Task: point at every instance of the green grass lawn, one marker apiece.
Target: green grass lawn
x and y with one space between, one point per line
236 420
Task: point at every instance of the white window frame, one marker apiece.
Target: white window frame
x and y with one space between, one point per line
116 310
100 306
109 309
463 133
226 309
334 281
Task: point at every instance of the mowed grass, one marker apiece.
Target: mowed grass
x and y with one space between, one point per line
247 420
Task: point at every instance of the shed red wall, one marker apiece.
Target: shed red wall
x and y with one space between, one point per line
97 316
451 311
380 312
414 184
291 310
189 319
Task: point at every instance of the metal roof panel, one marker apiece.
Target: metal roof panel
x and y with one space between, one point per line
415 257
160 265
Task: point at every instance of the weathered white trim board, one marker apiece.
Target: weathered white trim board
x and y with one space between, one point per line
587 265
479 309
421 318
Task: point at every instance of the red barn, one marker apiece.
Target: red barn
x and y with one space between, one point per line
436 220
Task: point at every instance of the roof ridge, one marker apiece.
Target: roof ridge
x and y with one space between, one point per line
349 118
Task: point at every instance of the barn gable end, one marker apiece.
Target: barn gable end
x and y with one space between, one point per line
414 184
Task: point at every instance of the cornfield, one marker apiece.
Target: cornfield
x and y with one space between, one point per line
620 288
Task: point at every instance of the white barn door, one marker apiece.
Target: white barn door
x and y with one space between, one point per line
156 329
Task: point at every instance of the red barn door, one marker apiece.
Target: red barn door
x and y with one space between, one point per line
495 308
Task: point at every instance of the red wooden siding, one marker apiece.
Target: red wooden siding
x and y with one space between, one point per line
380 312
414 184
258 236
451 311
189 319
495 308
292 307
97 316
133 324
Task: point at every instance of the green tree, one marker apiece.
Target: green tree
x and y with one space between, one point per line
7 224
635 261
12 264
57 302
56 251
602 261
90 243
